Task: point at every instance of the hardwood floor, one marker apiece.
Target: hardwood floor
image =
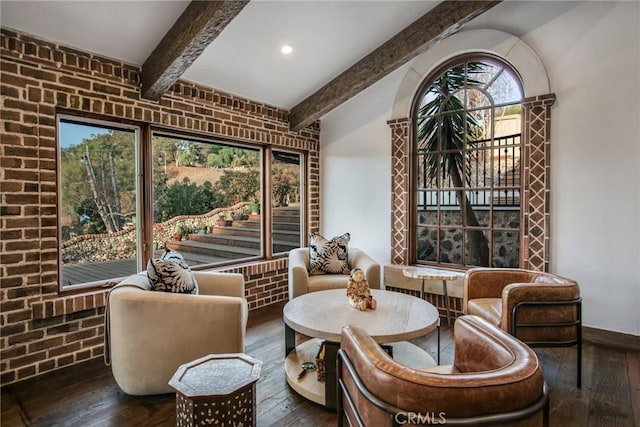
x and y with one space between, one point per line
86 395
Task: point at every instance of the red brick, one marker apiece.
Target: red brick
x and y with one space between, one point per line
34 94
10 282
98 87
22 199
65 349
65 360
18 128
97 351
9 235
28 359
25 337
21 105
9 67
18 151
30 141
45 344
13 222
10 115
15 351
92 342
18 316
37 74
73 81
52 93
26 372
46 366
6 306
12 80
64 328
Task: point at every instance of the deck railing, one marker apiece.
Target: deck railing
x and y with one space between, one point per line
492 169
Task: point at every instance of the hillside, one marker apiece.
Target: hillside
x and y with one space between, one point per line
198 175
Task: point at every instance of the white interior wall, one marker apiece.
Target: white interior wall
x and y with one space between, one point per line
355 169
591 52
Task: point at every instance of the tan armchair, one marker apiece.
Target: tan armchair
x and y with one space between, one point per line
301 282
149 334
494 380
541 309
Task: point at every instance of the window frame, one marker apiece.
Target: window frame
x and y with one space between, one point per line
414 157
196 137
144 189
140 231
303 198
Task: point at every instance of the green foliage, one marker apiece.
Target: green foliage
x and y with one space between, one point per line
89 218
189 154
239 186
186 198
165 148
445 132
512 109
286 184
442 123
226 157
111 156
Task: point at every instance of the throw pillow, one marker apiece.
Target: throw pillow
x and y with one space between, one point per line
171 273
328 256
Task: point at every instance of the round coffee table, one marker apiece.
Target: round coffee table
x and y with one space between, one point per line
321 315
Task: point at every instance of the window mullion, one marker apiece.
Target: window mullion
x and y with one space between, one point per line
267 203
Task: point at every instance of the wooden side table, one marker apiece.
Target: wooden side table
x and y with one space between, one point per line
432 274
322 314
218 389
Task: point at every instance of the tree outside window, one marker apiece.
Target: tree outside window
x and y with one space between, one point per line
467 165
98 198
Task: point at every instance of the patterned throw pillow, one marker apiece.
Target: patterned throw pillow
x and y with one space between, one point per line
328 256
171 273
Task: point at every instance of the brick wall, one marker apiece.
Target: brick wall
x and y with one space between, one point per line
40 329
536 161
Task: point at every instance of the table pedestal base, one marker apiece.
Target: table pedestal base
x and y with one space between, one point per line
324 393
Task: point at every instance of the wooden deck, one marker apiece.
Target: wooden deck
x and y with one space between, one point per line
241 240
86 395
73 274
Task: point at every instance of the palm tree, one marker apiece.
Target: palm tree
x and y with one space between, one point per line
444 128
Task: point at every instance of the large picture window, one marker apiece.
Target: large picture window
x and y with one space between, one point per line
98 201
206 198
467 165
123 199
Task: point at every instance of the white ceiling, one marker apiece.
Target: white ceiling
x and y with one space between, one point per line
328 37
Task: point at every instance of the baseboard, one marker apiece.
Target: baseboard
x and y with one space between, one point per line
611 338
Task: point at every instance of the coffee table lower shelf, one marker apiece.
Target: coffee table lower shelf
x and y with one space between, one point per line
309 387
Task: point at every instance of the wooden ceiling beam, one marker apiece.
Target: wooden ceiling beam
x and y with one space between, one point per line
438 23
200 23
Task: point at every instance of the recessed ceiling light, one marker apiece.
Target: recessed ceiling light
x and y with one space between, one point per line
286 49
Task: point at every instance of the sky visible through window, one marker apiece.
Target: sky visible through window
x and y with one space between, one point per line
73 133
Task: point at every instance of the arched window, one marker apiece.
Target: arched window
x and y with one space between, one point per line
467 170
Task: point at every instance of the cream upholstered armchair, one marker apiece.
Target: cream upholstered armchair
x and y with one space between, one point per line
150 334
541 309
301 282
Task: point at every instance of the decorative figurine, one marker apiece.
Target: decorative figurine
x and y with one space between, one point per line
358 291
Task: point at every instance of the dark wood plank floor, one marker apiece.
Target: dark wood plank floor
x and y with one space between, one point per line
86 395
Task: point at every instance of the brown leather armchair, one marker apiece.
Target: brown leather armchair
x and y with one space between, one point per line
541 309
495 380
